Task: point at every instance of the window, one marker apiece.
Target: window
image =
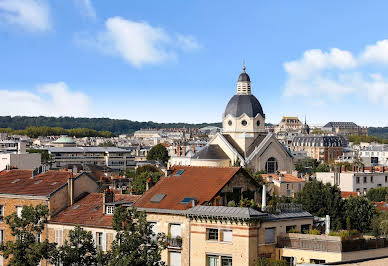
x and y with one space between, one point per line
270 235
100 241
230 122
1 236
212 234
1 213
290 228
237 193
175 230
110 209
227 235
258 123
226 261
305 228
59 236
175 258
38 238
271 166
357 179
386 179
244 123
371 179
317 261
379 185
19 211
364 179
212 260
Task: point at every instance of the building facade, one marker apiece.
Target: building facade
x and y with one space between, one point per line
345 129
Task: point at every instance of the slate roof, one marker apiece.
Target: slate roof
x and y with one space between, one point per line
85 149
225 212
341 125
243 104
202 183
287 216
19 182
211 151
320 141
90 211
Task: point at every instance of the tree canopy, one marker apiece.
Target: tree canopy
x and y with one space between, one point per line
360 212
377 194
158 153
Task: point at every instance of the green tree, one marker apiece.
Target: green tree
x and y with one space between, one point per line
107 144
140 181
377 194
79 250
158 153
26 249
262 261
307 165
135 243
323 167
361 213
380 225
321 200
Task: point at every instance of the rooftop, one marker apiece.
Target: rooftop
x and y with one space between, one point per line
287 178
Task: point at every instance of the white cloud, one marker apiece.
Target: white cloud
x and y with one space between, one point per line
86 8
138 43
32 15
376 53
330 76
52 99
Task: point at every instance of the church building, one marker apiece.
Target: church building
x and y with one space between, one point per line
244 140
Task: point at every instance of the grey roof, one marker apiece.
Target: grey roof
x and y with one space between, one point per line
341 125
320 141
85 149
225 212
288 216
211 151
244 77
234 144
243 104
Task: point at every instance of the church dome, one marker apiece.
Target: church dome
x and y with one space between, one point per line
244 104
244 77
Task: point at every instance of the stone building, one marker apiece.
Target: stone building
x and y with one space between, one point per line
346 128
244 140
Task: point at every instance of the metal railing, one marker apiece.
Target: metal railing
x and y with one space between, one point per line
175 242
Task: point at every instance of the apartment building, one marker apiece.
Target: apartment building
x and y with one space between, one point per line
112 157
355 181
374 155
322 148
55 189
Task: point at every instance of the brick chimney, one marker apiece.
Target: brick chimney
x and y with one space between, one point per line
109 197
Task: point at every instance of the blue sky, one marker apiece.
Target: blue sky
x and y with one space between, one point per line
178 61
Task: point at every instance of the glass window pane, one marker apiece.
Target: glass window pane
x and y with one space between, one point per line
212 261
227 235
226 261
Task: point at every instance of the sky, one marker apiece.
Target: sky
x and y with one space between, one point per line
178 61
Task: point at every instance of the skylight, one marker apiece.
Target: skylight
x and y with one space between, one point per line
15 181
187 200
76 207
179 172
157 198
53 183
38 182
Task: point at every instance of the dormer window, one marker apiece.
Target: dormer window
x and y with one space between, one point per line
110 210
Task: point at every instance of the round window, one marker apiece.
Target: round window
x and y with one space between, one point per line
230 122
258 123
244 122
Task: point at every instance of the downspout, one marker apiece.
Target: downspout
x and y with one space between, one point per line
189 241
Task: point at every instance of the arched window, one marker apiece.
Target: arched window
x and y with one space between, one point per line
271 166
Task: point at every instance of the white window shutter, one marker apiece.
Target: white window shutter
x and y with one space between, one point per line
227 235
94 238
104 241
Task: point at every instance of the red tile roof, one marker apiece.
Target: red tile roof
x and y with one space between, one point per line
19 182
202 183
287 178
347 194
90 211
381 206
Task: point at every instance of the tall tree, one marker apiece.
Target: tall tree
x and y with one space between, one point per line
158 153
360 212
135 243
26 249
79 250
377 194
380 225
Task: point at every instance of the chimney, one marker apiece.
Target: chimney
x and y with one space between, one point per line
75 170
264 199
184 151
108 197
193 203
327 225
70 188
148 183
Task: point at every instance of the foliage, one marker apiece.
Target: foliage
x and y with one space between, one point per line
317 131
380 132
377 194
358 139
323 167
380 225
237 163
107 144
140 181
307 165
34 132
256 175
158 153
135 243
25 249
321 200
248 203
116 126
231 203
346 234
361 213
294 230
79 250
314 232
147 168
262 261
45 156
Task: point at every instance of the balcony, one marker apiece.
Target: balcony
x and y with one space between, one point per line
174 242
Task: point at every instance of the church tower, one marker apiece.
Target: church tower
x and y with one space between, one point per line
243 119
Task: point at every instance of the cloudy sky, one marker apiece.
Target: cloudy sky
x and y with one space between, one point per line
178 61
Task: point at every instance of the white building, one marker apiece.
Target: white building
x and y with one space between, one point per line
16 157
374 155
355 181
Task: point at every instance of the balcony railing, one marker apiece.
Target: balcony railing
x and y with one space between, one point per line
174 242
329 243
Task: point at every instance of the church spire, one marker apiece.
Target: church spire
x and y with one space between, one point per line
244 82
